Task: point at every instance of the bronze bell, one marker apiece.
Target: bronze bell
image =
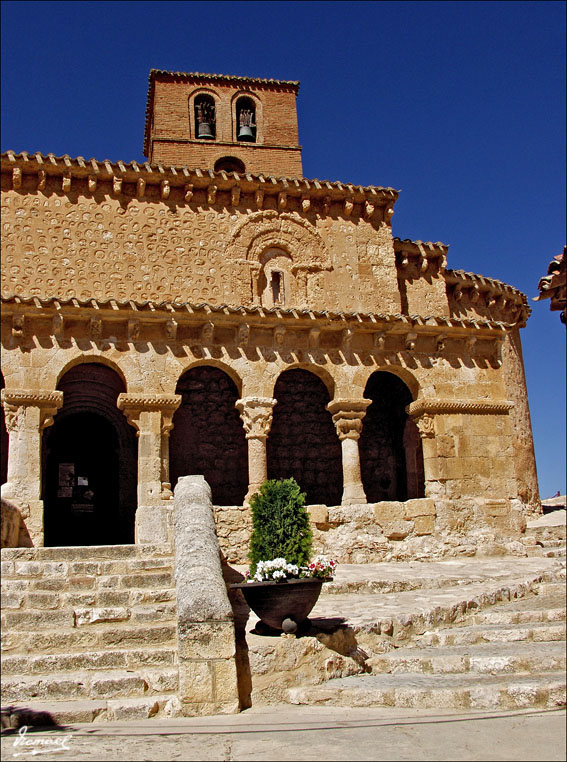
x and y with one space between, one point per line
246 133
205 131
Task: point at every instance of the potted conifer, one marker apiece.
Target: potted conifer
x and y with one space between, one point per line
283 584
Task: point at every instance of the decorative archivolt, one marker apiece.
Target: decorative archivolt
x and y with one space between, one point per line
270 229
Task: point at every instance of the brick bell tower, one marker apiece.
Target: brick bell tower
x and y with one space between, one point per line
212 121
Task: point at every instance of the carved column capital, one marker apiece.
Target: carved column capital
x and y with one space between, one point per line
347 416
256 414
15 401
132 405
425 425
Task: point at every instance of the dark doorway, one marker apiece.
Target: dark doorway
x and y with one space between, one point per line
303 442
89 463
208 436
390 450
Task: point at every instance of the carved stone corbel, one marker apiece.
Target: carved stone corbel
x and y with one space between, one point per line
235 195
165 189
188 192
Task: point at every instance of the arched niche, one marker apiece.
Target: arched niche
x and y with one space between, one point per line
208 437
276 281
303 442
391 458
89 462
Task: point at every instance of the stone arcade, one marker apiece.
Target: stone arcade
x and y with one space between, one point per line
213 312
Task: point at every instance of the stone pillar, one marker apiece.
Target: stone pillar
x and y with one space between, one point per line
256 414
425 423
347 417
208 677
27 414
151 415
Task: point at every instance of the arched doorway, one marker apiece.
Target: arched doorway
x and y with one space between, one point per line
208 437
3 441
90 456
391 459
303 442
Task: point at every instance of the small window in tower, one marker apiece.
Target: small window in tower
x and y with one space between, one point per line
277 287
205 123
246 120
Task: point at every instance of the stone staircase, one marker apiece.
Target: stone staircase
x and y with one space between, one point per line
90 633
511 656
442 636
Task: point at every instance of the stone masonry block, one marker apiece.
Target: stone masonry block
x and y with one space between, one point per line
207 640
496 507
389 511
319 514
424 525
225 681
195 681
92 616
421 506
43 600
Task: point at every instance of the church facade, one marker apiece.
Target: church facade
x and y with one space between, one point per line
212 311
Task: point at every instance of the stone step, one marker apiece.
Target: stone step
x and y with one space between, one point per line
498 658
494 633
94 637
107 684
41 714
462 692
16 620
88 553
36 577
519 617
88 660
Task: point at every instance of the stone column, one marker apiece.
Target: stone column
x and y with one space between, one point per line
151 415
347 417
425 422
256 414
27 414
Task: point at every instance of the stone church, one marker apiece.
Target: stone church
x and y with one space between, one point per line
212 311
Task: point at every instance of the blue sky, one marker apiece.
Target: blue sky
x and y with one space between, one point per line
460 105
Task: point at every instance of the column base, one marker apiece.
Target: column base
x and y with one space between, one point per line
353 494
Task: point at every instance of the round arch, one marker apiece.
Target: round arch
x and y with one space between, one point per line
321 373
303 442
89 462
85 359
391 458
210 362
208 436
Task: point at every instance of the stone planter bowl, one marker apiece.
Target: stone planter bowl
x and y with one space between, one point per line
282 605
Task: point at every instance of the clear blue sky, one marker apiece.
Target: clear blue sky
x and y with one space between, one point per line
461 105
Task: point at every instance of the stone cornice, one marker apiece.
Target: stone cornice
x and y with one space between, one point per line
196 314
149 402
213 187
34 398
446 407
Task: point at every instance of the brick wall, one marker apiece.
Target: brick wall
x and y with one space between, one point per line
172 132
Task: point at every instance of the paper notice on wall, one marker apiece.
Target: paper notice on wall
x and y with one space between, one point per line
66 474
65 492
82 481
